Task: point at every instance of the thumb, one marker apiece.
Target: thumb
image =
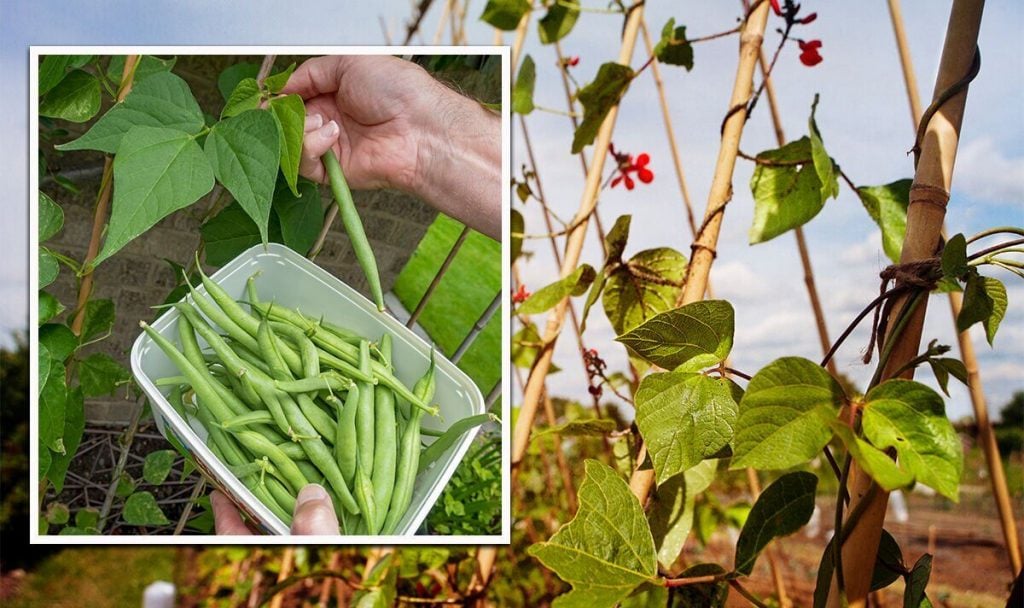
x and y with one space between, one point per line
314 512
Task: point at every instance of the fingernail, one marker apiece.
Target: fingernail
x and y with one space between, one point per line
314 122
311 493
331 129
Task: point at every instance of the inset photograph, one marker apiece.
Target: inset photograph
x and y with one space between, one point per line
270 295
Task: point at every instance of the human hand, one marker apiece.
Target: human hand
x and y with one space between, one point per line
314 514
392 125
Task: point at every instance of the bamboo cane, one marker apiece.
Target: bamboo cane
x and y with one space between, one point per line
925 214
985 435
721 188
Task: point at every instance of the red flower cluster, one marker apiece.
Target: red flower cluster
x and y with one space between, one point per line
809 55
627 165
520 295
571 62
595 371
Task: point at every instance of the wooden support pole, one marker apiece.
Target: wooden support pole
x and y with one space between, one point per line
986 437
925 214
703 248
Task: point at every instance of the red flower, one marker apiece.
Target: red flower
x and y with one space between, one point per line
776 7
627 165
521 295
809 55
573 61
808 19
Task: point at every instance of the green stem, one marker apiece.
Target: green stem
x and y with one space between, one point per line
354 227
890 342
997 230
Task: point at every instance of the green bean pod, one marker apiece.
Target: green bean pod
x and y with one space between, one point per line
450 436
281 495
248 419
217 314
265 337
354 226
287 468
385 452
323 382
365 499
365 411
408 455
345 447
292 450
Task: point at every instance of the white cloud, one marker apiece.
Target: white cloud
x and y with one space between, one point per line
984 172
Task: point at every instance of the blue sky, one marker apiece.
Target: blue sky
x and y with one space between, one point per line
863 117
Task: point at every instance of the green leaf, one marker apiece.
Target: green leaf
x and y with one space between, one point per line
45 361
674 48
275 82
505 14
911 418
954 257
575 284
99 319
916 581
141 510
45 460
942 367
887 205
671 510
516 227
648 595
87 517
996 292
606 551
51 217
977 304
559 21
100 374
246 96
290 113
157 171
522 92
888 564
52 404
876 463
691 337
75 99
58 339
231 232
71 437
125 486
578 428
157 466
147 66
233 74
823 164
161 100
49 307
52 70
301 217
245 153
57 514
784 415
684 418
787 194
615 240
782 509
49 268
645 286
598 98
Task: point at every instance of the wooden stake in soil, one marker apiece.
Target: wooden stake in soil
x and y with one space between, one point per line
925 214
703 248
986 437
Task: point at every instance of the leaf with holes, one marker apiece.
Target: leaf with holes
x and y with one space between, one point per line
598 98
157 466
671 510
290 113
51 217
911 418
141 509
559 21
784 415
674 48
75 99
691 337
575 284
643 287
522 92
505 14
684 418
606 551
782 509
245 153
161 101
887 205
100 374
156 172
786 189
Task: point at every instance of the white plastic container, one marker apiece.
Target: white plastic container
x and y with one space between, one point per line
291 280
